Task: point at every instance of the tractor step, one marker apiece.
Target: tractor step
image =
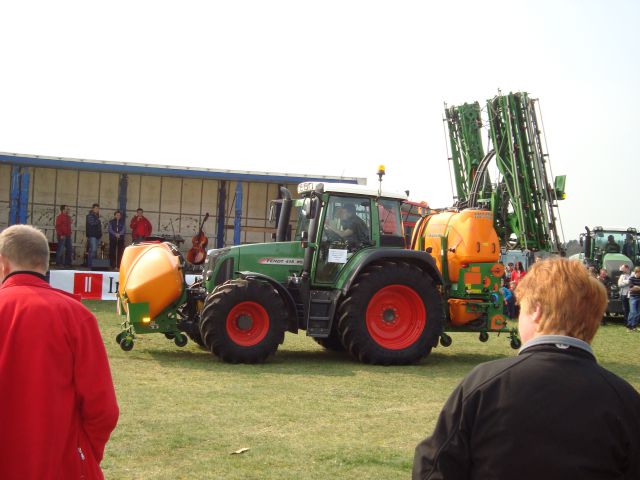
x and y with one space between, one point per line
321 308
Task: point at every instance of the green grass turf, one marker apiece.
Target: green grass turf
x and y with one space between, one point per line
306 414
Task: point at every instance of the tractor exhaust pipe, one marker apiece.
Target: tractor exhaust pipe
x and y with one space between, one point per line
285 214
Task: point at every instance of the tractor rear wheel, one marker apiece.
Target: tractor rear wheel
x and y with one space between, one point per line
243 321
195 335
392 315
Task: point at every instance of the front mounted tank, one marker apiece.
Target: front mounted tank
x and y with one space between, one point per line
151 289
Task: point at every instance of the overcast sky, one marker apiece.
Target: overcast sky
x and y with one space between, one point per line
327 88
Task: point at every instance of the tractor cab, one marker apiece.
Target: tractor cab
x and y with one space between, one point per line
338 221
610 248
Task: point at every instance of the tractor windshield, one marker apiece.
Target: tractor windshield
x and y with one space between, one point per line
346 229
609 241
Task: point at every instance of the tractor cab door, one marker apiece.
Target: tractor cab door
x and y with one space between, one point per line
345 228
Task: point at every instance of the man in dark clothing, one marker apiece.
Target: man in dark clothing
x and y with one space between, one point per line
551 412
116 239
627 248
354 229
94 233
611 246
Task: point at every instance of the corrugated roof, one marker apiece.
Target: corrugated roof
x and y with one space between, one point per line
151 169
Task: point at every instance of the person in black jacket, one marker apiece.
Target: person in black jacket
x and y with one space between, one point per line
116 239
94 232
549 413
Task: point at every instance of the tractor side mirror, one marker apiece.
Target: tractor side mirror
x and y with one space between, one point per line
309 208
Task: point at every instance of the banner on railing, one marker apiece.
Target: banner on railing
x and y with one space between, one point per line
92 285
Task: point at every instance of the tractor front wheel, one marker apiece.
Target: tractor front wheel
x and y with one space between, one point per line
243 321
392 315
126 344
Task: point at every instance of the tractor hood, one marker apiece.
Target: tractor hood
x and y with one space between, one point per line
613 261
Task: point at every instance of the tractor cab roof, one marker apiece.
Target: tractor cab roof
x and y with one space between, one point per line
614 230
306 188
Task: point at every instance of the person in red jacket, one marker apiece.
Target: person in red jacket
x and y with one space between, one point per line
57 402
140 226
63 232
517 273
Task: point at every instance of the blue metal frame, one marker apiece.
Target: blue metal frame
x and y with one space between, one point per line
19 195
122 196
237 221
222 201
76 164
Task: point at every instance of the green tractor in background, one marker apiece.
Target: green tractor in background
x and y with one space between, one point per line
610 248
345 278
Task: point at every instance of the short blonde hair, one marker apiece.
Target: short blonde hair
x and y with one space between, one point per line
571 301
25 247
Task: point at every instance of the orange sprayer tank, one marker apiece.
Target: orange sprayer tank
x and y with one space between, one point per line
470 235
150 272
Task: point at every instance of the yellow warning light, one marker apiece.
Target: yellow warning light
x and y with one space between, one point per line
381 170
146 320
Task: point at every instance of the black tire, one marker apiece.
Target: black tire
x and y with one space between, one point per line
399 334
120 336
169 336
126 344
333 342
180 340
192 326
243 321
195 336
483 337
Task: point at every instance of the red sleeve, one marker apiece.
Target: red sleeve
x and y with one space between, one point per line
149 229
96 396
133 222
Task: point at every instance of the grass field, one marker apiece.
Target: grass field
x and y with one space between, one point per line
306 414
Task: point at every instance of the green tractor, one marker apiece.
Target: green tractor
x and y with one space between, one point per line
610 248
345 278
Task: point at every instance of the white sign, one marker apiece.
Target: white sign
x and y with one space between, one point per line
93 285
337 256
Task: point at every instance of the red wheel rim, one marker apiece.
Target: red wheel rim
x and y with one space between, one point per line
247 324
395 317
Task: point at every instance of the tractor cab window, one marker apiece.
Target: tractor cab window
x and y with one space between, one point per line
348 220
346 229
609 242
391 233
